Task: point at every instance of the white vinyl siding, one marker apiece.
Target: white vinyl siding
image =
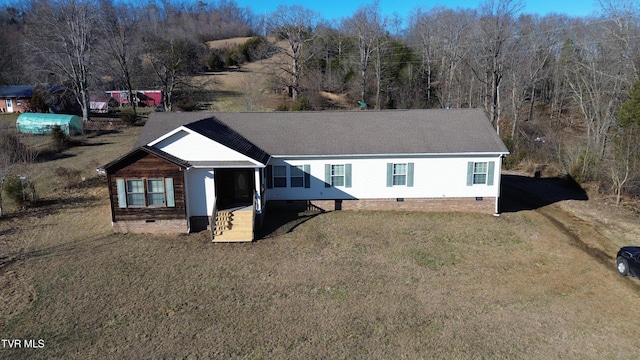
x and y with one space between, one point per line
429 177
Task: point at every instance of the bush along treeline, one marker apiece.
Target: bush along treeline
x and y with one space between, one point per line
254 49
553 86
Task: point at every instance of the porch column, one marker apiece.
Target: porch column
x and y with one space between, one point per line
258 183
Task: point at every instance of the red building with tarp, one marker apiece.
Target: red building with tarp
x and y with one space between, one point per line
143 97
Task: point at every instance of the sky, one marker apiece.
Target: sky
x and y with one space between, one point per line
337 9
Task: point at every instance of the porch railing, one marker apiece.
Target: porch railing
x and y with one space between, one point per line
253 210
213 218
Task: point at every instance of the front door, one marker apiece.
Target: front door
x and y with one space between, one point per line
9 105
234 187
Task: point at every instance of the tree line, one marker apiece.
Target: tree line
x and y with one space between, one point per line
553 86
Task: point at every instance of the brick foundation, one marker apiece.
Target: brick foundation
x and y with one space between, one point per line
151 226
486 205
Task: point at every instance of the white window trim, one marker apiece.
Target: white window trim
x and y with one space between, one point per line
404 176
343 176
123 192
485 172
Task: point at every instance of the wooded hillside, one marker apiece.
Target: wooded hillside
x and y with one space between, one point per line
553 86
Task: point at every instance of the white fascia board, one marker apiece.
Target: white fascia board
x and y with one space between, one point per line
469 154
257 166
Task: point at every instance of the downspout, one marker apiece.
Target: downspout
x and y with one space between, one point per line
498 176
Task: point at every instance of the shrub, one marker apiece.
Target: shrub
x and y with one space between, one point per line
215 61
302 104
71 176
582 166
13 149
129 117
59 140
256 48
186 103
282 107
232 57
16 189
516 153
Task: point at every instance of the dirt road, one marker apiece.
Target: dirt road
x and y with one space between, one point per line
597 228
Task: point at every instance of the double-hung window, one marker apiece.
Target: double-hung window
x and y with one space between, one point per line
297 175
400 174
480 173
155 192
279 176
145 192
337 175
135 192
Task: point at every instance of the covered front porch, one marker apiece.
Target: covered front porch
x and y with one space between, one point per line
233 199
236 204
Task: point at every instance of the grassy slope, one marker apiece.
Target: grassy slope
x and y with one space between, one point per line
339 285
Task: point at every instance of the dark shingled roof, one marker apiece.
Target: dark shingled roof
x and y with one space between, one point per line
18 91
391 132
221 133
24 91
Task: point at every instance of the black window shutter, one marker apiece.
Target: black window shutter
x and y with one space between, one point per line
269 177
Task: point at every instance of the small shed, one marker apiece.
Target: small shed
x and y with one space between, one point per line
37 123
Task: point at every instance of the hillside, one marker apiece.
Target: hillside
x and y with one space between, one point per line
251 86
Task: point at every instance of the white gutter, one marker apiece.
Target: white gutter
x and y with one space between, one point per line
393 155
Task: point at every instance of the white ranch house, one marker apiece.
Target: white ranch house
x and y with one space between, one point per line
444 160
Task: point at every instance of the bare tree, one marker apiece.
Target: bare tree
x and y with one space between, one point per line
367 26
11 58
528 60
295 25
598 84
496 24
172 60
443 38
119 45
62 36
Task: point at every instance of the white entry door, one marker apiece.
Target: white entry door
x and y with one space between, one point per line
9 105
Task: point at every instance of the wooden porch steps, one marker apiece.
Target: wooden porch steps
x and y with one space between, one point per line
233 225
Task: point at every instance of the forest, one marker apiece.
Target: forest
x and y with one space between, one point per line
561 91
